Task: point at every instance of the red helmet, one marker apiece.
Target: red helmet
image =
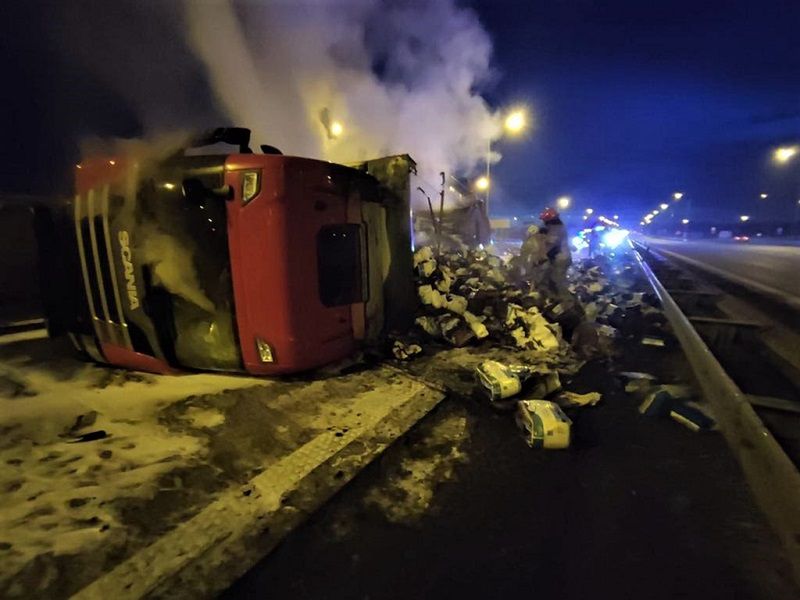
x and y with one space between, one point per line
548 214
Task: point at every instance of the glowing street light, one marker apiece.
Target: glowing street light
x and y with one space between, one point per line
785 153
589 211
685 221
763 196
663 206
616 217
516 121
744 218
482 183
654 213
677 196
337 129
563 202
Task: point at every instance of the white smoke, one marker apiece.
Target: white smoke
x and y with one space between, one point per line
400 76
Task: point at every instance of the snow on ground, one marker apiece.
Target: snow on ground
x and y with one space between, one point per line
174 446
57 493
405 493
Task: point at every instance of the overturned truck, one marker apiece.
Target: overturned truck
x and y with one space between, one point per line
261 263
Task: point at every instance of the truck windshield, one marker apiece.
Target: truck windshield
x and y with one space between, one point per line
190 295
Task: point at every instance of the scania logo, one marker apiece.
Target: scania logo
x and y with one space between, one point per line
130 278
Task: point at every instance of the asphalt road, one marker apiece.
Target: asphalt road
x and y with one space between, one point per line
636 508
775 266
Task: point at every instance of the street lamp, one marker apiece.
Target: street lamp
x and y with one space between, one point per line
785 153
616 217
744 218
515 123
482 183
563 202
589 211
664 206
655 212
677 196
685 221
337 129
763 196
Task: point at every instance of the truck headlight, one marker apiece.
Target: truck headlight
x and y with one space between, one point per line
251 185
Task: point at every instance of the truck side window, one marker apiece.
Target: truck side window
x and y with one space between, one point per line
339 261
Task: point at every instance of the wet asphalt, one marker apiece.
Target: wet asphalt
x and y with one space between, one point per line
636 508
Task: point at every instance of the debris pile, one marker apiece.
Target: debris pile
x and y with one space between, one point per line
472 296
613 312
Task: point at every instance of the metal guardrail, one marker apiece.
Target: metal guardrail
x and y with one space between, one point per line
770 473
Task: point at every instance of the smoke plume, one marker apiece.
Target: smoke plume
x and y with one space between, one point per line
340 80
397 76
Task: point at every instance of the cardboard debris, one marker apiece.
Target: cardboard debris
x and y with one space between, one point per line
637 375
690 417
403 351
473 296
638 386
544 424
501 381
637 383
569 399
657 404
546 384
671 400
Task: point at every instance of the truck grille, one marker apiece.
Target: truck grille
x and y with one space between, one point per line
98 274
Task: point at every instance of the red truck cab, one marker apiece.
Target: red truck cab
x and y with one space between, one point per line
262 263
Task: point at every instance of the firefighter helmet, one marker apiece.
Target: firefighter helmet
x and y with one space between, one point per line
548 214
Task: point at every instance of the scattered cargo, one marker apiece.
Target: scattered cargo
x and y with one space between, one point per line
544 424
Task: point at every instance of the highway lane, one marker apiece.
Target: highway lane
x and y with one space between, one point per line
774 266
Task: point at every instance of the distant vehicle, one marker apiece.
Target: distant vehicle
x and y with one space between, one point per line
741 238
261 263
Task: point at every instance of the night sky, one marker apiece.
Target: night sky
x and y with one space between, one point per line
632 100
635 99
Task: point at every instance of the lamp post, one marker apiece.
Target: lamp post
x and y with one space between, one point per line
515 122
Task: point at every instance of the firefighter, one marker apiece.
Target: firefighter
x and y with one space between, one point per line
559 257
532 256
